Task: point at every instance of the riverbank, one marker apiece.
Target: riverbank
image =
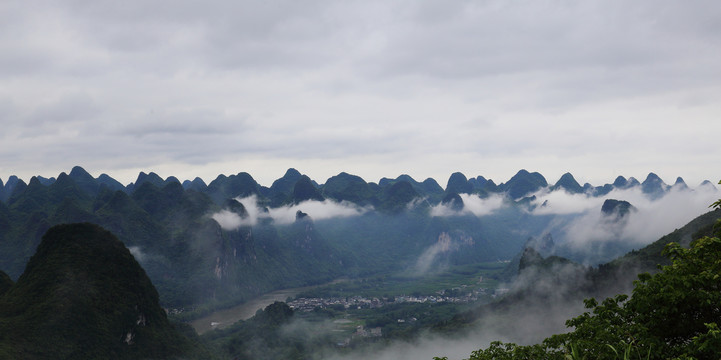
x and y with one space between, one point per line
223 318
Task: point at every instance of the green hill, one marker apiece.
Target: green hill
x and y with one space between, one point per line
83 296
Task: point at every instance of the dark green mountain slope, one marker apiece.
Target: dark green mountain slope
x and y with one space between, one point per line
429 188
523 183
285 184
304 189
5 283
558 282
349 188
459 184
83 296
84 181
617 275
654 186
225 187
568 183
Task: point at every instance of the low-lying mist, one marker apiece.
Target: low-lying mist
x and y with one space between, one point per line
472 205
526 324
317 210
581 231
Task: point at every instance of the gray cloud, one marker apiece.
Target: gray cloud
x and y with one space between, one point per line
234 86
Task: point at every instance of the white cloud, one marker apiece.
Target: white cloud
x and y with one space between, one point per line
137 253
472 204
582 227
429 256
317 210
227 219
563 203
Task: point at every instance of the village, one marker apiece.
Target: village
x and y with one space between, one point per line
456 295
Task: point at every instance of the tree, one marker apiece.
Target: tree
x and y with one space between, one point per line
674 314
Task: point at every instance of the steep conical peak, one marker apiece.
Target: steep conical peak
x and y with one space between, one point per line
18 187
67 187
285 184
620 182
83 295
348 187
46 181
458 183
110 183
707 184
292 173
615 210
12 180
653 186
568 183
151 177
397 196
523 183
197 184
305 190
529 258
651 177
34 182
406 177
633 182
236 207
77 172
490 186
301 216
680 184
430 187
477 182
84 180
453 201
199 181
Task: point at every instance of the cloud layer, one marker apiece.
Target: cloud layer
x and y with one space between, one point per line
189 89
317 210
581 231
653 218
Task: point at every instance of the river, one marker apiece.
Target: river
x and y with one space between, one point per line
223 318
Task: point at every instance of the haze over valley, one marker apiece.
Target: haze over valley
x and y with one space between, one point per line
355 179
367 250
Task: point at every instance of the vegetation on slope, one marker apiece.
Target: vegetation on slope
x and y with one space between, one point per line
673 314
84 296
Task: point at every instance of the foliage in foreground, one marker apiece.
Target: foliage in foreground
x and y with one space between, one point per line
674 314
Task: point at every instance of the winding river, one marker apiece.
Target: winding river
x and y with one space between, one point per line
223 318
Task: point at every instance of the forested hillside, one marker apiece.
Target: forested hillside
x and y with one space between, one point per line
209 245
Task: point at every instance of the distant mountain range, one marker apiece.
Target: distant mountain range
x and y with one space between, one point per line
208 244
346 187
205 246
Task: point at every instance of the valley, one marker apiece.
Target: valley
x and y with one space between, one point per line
307 270
223 318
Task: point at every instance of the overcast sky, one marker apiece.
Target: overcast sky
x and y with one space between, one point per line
373 88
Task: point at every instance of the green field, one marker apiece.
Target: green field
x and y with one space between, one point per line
480 275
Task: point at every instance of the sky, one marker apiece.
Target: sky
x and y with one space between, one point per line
372 88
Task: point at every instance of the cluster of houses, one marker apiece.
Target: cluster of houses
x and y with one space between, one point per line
360 302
